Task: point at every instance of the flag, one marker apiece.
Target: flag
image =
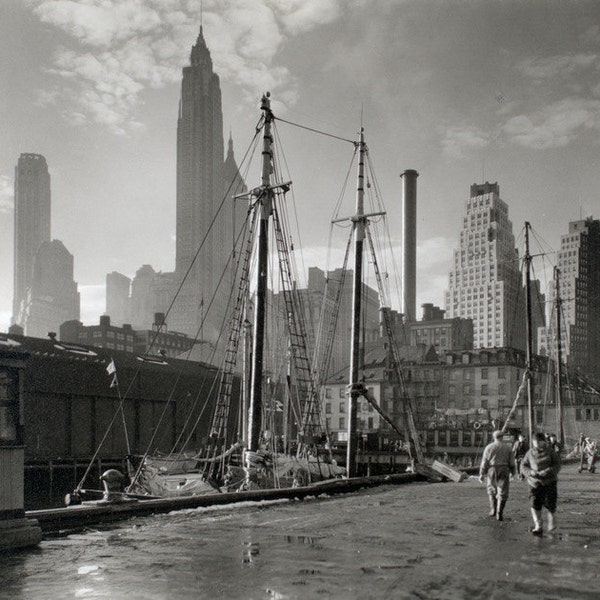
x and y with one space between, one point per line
114 381
111 367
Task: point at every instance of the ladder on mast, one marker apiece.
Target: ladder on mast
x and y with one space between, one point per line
221 414
303 374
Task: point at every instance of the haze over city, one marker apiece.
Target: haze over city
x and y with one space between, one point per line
463 92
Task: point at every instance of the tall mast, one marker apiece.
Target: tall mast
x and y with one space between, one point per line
359 236
529 332
558 308
264 202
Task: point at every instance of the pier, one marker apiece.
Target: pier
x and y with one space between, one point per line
420 540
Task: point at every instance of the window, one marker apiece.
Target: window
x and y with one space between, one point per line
328 408
484 390
328 393
484 373
342 407
342 423
342 392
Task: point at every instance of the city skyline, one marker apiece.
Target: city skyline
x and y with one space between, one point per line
505 93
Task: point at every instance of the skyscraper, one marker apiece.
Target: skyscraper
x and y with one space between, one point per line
118 287
52 297
208 218
32 223
200 230
484 283
579 265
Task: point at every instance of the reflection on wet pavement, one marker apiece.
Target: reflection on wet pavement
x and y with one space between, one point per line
413 541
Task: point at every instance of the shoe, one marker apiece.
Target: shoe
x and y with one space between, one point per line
537 531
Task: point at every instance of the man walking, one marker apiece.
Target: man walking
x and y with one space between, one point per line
541 466
498 462
520 448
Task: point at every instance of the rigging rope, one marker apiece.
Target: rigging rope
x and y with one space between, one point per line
331 135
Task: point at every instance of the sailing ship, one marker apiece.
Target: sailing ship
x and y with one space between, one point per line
251 458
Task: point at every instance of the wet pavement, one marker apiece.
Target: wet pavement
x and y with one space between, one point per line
427 541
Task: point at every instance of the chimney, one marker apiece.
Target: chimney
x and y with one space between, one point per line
409 244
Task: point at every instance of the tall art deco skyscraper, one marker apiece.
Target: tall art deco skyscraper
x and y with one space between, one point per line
200 191
32 224
484 283
579 264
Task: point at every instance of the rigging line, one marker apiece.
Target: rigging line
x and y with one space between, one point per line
283 205
538 294
126 395
221 329
284 212
538 238
375 182
351 168
331 135
165 408
241 235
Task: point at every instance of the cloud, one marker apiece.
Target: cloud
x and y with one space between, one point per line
554 126
459 139
591 36
6 195
434 255
117 49
546 68
299 16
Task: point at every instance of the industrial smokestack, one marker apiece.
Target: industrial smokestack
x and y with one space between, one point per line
409 244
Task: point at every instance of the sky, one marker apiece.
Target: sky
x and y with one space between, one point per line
463 91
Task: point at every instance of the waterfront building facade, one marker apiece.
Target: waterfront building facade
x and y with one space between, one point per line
445 335
484 283
31 224
422 377
70 403
104 335
158 340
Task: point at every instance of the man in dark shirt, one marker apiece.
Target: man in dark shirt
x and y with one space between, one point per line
498 462
541 466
